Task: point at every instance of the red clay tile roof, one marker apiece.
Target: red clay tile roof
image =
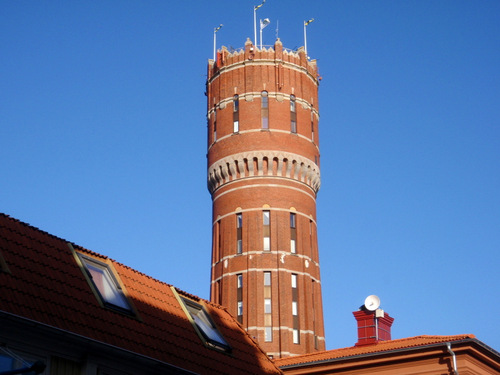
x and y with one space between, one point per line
380 347
46 284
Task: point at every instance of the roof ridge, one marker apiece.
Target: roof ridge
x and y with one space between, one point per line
8 217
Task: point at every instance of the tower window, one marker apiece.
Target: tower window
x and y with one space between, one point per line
293 233
312 126
267 306
293 114
239 241
268 334
295 310
268 329
294 281
266 230
264 110
215 124
240 310
236 114
267 278
217 241
295 334
239 297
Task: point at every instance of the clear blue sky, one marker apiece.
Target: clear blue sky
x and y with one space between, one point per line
103 143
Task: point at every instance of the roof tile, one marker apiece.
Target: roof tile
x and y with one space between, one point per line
380 347
47 285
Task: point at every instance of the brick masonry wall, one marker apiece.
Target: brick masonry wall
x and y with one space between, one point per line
254 170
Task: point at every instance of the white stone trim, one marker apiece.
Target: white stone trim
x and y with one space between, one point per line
269 209
270 130
227 169
307 274
313 197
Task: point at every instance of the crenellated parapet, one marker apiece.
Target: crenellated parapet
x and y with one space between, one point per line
265 163
276 55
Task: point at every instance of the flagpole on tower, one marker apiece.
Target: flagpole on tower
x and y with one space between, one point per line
255 22
215 38
305 35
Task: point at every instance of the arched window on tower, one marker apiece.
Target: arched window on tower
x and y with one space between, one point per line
264 110
293 115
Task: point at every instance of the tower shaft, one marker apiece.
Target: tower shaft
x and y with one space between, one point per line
263 175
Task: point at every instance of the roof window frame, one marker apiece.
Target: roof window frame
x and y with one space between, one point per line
4 267
110 275
202 323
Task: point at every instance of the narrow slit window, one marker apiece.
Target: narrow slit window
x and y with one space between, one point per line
268 329
267 278
239 297
266 222
215 124
239 229
268 334
295 310
264 110
296 336
293 233
294 281
236 114
312 126
240 309
293 115
267 306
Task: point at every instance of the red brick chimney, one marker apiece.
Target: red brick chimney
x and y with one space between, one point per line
373 326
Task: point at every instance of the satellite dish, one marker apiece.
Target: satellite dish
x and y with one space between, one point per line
372 303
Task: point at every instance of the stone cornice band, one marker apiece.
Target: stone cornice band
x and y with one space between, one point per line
250 164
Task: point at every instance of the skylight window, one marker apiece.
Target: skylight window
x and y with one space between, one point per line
105 284
3 265
203 324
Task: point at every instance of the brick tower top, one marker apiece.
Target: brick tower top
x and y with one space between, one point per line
227 58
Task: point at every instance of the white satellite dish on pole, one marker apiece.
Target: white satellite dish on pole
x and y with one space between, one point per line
372 302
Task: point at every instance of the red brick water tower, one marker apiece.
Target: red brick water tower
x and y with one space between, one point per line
263 175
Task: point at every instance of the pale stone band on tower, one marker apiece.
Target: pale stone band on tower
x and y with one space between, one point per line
263 163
